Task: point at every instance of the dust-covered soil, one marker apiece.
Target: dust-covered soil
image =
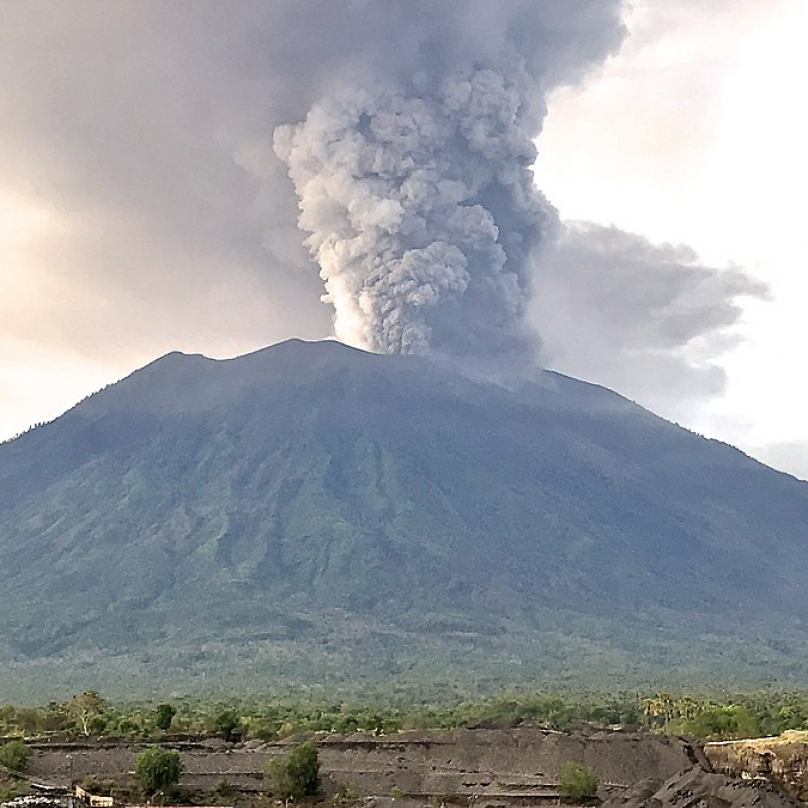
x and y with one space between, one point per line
472 766
477 768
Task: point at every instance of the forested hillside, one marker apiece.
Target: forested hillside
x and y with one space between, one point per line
315 513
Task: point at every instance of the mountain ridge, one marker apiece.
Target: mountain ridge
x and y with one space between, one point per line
309 498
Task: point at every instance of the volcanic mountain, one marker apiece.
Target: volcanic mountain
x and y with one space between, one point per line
313 514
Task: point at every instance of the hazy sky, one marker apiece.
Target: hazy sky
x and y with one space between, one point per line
695 134
140 212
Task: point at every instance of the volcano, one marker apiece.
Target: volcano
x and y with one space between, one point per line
311 514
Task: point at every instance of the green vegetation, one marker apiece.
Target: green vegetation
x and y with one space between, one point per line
295 776
744 716
165 715
158 770
713 717
228 725
14 756
332 512
223 793
577 784
8 791
87 709
347 795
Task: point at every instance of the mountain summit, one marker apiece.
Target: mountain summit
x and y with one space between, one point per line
310 513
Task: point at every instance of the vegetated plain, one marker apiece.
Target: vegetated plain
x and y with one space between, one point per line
182 748
269 718
315 518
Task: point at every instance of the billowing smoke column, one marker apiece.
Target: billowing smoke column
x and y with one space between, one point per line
415 184
422 214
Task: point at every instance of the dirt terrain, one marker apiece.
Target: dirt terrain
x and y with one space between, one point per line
698 788
472 766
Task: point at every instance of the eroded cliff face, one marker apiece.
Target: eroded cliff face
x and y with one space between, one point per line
484 768
782 760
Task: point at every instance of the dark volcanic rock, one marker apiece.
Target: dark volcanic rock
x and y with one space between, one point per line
697 788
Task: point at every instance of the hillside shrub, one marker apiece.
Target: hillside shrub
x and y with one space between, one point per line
158 769
165 715
14 756
223 793
577 784
227 725
295 776
10 791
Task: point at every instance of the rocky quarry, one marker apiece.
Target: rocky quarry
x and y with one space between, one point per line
484 768
782 760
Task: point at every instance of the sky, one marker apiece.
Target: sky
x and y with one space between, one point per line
694 135
140 209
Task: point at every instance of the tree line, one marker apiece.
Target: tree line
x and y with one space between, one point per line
89 714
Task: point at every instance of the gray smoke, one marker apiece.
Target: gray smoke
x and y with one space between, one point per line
415 185
422 214
145 129
406 127
648 319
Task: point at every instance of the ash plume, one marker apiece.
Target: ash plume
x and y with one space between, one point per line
414 179
422 214
645 318
407 127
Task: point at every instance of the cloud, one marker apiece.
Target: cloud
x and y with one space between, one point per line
141 133
422 215
147 129
413 171
650 320
118 126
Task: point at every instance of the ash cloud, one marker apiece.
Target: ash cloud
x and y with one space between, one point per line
151 132
416 188
422 215
650 320
149 126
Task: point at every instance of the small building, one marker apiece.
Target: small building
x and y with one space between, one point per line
94 800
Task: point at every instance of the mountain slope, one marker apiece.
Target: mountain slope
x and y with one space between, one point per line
309 509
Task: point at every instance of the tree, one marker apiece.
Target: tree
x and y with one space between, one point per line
158 769
226 724
688 707
88 709
577 784
295 776
14 756
661 704
165 715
